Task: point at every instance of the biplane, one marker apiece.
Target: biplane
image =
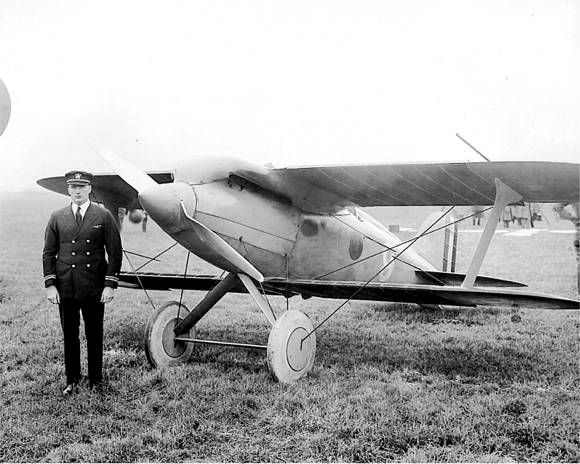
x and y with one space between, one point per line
301 231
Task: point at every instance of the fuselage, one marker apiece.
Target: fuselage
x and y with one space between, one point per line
276 237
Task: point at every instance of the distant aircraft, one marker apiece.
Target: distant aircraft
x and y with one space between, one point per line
5 107
300 231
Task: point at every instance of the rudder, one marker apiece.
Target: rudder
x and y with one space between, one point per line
439 244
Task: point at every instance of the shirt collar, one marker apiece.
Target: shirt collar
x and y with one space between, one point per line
84 207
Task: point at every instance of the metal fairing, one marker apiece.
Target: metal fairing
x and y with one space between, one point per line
262 230
205 169
347 247
279 240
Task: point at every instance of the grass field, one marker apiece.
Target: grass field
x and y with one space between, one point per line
391 382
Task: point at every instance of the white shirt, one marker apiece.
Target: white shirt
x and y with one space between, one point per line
84 208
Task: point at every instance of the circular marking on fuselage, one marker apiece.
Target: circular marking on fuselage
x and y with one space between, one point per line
355 247
309 228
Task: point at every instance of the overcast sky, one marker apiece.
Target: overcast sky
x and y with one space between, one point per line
288 82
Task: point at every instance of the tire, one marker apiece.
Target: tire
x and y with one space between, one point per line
158 341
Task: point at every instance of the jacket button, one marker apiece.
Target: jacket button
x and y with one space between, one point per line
74 253
73 241
88 252
88 265
74 265
88 240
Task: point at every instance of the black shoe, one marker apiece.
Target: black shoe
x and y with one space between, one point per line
97 387
70 389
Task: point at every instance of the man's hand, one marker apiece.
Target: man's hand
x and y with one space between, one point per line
108 295
52 294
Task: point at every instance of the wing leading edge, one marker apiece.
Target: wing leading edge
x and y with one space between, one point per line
420 294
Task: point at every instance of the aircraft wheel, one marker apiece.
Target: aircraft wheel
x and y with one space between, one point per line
160 347
290 354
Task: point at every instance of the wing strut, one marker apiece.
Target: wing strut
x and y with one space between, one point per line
504 195
258 298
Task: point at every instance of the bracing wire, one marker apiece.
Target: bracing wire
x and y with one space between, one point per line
139 280
397 245
141 256
182 287
156 256
344 303
397 257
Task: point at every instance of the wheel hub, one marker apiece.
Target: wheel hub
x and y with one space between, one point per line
170 346
298 349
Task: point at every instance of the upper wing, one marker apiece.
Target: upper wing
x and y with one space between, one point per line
109 189
320 188
326 188
421 294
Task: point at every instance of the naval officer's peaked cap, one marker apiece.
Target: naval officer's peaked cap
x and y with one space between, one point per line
78 178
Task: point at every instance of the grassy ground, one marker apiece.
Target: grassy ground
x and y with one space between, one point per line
390 383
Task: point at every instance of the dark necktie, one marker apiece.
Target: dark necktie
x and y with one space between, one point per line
78 216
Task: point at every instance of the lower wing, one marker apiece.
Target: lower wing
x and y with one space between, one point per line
404 293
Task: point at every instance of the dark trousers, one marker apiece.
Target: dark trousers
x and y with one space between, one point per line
93 314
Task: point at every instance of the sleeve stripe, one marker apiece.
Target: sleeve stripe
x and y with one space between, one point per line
50 276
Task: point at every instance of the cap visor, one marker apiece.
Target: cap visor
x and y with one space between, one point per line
77 182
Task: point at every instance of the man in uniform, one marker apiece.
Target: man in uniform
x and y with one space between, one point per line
79 277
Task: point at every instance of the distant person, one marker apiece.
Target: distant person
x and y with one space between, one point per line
477 215
522 215
144 225
507 216
574 218
121 215
535 213
78 277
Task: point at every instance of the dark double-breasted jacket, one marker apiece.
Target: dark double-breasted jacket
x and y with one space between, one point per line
74 256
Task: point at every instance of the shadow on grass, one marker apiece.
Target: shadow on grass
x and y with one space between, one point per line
475 361
452 342
413 313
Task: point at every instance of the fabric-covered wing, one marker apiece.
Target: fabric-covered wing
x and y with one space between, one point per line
419 184
427 294
420 294
108 189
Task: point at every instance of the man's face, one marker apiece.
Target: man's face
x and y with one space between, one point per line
79 193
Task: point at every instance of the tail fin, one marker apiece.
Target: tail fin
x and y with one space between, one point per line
439 244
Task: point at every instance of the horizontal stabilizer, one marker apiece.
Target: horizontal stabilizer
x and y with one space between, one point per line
451 278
